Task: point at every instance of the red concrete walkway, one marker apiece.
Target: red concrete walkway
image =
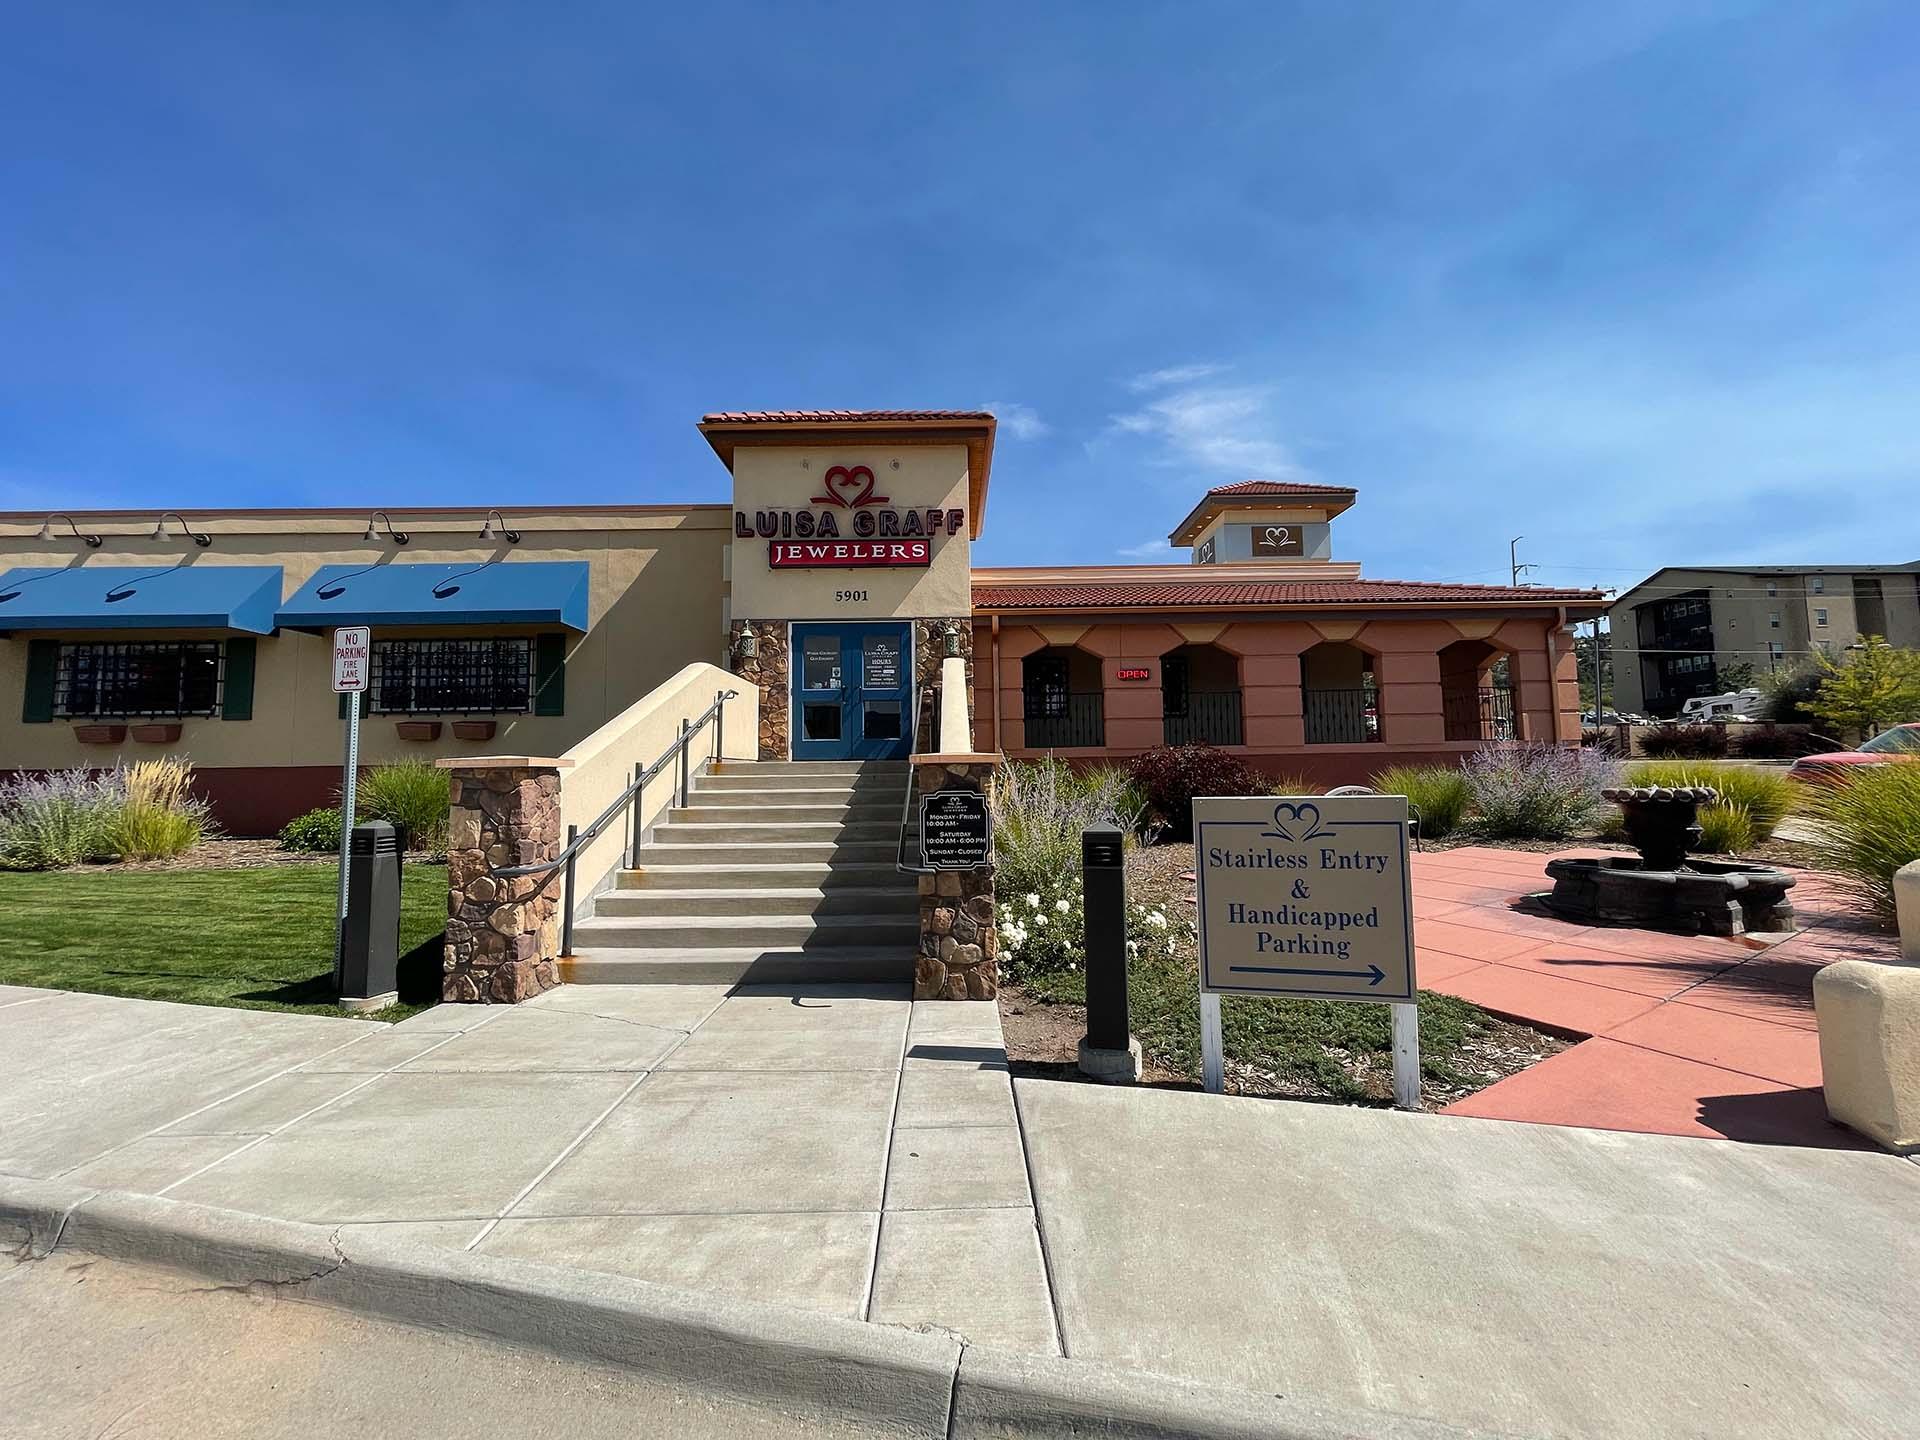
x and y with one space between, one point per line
1688 1036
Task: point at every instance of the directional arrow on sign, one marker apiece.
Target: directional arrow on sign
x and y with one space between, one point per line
1373 973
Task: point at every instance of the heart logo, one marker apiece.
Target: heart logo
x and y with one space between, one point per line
1276 537
1289 818
849 488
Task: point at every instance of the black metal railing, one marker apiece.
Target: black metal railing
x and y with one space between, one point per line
1076 720
1208 717
677 754
903 860
1478 714
1340 717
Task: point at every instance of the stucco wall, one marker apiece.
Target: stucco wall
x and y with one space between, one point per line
911 477
655 600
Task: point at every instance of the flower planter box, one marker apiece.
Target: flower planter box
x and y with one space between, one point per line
99 734
474 729
157 734
418 729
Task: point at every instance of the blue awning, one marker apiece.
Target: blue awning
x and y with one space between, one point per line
140 597
493 592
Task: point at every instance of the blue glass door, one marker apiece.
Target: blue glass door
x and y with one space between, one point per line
853 691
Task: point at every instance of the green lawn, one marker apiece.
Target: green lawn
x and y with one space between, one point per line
256 939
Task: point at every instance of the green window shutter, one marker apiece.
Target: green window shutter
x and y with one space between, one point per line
236 702
550 675
43 670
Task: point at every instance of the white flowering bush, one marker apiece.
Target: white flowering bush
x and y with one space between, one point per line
1043 931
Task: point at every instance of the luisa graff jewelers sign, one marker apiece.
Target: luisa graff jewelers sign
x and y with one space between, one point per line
849 527
1306 896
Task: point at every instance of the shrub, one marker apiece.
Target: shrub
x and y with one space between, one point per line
1536 792
1692 741
1726 828
1040 808
1294 785
1765 795
1785 693
1768 742
1869 826
316 830
161 818
1171 776
1438 792
1042 931
411 795
57 819
1604 738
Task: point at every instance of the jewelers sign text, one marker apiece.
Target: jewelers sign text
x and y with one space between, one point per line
1306 896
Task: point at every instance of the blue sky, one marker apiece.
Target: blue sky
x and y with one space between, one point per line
1637 281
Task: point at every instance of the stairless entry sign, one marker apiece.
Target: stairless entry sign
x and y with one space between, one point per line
1308 897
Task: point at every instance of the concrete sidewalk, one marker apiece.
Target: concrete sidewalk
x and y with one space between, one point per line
847 1152
1527 1278
835 1148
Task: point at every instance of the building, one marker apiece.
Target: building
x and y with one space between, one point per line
1679 632
837 580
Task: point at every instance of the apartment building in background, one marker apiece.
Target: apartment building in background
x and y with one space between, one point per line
1678 632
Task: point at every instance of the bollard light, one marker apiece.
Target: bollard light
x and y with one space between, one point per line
1109 1051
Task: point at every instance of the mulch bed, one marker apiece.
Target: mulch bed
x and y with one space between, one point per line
225 854
1042 1039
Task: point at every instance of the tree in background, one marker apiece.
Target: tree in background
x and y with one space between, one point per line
1736 675
1874 686
1584 648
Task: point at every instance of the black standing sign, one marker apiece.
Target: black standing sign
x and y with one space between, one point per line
956 833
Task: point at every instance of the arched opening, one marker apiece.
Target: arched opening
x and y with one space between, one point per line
1476 691
1200 696
1339 695
1062 699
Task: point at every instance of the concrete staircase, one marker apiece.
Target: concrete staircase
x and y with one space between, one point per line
775 871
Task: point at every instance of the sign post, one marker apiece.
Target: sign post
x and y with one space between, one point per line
1308 897
352 662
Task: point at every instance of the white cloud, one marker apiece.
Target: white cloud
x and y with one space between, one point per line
1022 422
1152 550
1222 428
1172 375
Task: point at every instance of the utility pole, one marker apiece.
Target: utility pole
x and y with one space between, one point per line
1514 566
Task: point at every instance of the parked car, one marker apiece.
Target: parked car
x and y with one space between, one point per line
1890 747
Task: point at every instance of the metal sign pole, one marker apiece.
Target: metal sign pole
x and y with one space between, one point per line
349 778
1406 1056
1213 1055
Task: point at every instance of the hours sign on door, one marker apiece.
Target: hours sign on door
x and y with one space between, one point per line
1305 896
352 659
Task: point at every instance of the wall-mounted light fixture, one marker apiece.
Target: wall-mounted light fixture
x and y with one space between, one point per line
199 537
512 537
46 531
399 537
747 646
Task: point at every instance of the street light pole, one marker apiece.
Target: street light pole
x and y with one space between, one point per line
1514 568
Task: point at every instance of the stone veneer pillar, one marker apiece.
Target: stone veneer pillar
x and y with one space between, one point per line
503 936
959 946
767 668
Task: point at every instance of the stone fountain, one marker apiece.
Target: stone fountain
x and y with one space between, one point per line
1663 889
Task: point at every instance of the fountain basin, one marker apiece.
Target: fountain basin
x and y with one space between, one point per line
1700 897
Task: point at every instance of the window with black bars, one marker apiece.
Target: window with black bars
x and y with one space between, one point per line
452 677
136 678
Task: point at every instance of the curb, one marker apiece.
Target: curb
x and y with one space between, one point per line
867 1379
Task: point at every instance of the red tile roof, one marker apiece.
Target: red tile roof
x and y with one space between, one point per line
1280 487
836 417
1234 594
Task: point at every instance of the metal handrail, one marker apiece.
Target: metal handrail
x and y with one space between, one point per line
927 696
578 839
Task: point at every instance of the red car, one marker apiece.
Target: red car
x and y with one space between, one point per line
1901 743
